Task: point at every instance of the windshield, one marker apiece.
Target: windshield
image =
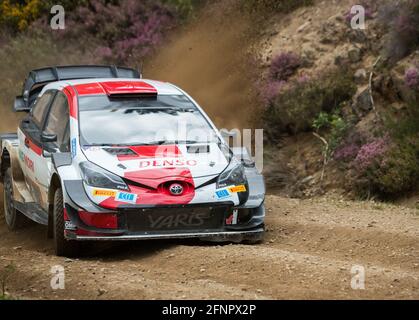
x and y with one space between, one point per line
141 121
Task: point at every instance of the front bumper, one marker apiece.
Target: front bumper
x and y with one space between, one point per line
210 221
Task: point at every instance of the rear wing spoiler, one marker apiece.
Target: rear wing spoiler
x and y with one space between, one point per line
39 78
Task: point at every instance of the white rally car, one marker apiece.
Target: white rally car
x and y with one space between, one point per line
104 155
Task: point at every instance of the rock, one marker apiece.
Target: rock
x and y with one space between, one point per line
357 36
17 248
360 76
307 179
101 292
355 55
340 60
362 103
330 33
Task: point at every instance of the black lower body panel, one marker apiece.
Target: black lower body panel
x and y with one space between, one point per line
172 219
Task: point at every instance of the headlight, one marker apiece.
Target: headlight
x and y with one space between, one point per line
233 175
95 176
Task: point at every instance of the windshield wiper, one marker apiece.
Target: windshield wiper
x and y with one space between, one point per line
152 143
98 145
163 142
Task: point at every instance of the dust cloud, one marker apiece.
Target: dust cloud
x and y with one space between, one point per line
209 60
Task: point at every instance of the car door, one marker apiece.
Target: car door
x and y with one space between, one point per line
30 146
56 129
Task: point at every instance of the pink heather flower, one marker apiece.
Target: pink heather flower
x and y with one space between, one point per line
284 66
104 52
371 153
347 152
271 90
303 79
412 78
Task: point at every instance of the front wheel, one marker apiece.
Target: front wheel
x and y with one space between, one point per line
14 219
63 247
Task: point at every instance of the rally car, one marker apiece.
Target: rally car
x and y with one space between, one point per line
103 154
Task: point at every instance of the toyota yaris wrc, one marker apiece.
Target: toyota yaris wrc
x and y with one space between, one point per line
104 155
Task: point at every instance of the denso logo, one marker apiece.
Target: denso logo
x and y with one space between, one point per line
167 163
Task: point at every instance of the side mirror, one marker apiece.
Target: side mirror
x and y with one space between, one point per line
20 105
45 137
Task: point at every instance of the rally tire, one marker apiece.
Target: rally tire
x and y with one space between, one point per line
14 218
63 247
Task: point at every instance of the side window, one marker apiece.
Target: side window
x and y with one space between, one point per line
39 108
58 122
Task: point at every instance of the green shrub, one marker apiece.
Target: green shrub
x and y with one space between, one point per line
389 167
295 109
16 15
336 125
396 172
322 121
184 8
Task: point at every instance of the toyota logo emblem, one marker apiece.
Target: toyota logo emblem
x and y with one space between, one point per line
176 189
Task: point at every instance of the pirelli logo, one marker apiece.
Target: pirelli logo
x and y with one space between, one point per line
104 193
236 189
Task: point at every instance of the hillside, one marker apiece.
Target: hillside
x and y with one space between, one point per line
338 106
371 133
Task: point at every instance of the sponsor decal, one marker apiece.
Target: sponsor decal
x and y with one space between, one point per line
73 147
167 163
222 194
29 163
227 191
104 193
21 155
235 189
126 197
68 225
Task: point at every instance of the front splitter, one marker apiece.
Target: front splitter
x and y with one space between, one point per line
211 236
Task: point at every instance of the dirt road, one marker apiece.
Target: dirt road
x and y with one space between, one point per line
309 251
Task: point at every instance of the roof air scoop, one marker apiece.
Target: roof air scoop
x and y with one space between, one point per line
128 89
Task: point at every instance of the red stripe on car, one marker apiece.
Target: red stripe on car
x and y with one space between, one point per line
72 101
35 148
89 89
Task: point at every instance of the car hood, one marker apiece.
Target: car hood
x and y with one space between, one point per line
151 165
